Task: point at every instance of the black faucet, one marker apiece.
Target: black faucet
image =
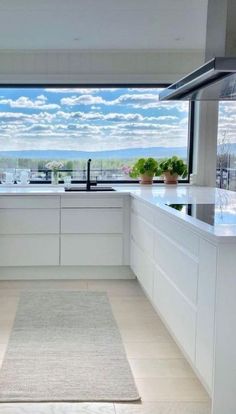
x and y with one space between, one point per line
88 182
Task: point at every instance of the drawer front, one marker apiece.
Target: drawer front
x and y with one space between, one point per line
29 221
30 201
177 232
206 311
142 233
178 314
179 267
142 210
92 220
29 250
89 250
91 201
142 266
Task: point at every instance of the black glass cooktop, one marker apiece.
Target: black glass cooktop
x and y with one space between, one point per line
212 214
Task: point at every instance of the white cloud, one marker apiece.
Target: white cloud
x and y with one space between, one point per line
25 102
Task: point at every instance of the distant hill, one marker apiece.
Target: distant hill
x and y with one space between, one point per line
158 152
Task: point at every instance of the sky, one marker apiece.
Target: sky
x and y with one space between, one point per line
86 119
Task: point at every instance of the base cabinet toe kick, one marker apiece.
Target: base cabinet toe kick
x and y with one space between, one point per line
191 282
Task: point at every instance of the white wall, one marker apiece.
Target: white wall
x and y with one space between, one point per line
205 143
104 66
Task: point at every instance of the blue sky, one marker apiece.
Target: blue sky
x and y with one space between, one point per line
86 119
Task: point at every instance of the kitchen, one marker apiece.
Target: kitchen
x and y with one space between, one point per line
166 248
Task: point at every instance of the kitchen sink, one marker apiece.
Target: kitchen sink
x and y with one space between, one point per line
92 189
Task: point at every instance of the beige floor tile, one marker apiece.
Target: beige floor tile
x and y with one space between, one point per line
9 293
135 316
8 302
144 334
117 287
149 324
161 368
57 408
129 304
6 323
164 408
171 389
4 335
3 348
158 350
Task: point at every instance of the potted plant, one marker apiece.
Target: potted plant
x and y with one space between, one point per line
54 166
146 169
172 169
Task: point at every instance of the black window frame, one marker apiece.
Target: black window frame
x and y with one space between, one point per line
116 85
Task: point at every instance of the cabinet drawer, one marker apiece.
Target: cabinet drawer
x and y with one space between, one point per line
92 220
92 200
29 201
178 314
142 266
206 311
142 210
142 233
29 221
87 249
178 265
177 232
29 250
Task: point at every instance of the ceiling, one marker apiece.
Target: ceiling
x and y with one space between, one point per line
102 24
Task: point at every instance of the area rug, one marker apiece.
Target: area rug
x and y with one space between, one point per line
65 346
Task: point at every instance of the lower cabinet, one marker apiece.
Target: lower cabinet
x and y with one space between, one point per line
143 267
178 314
177 269
91 249
29 250
206 311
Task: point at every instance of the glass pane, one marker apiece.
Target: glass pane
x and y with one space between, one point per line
113 126
226 146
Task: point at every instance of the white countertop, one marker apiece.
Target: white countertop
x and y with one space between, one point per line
157 195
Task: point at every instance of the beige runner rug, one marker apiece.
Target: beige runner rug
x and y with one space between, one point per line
65 346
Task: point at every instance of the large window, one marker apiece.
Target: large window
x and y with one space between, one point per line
226 148
113 126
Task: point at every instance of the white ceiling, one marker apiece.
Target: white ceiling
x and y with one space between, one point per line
102 24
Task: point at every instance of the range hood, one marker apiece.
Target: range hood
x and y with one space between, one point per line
213 81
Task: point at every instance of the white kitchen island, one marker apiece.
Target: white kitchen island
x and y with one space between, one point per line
186 267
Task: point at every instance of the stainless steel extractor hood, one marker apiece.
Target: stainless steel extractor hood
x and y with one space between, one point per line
213 81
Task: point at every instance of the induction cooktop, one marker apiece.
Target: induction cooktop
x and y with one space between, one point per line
212 214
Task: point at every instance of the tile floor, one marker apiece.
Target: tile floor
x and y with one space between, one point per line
164 378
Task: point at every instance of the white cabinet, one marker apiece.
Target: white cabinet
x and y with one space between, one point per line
177 268
29 231
143 267
206 311
29 221
91 249
142 244
33 250
177 312
178 264
68 230
94 230
92 220
29 201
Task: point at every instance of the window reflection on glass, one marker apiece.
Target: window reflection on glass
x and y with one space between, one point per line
113 126
226 146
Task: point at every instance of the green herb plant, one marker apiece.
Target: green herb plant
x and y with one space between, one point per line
147 166
174 166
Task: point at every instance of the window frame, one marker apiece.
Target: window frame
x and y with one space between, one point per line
190 140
